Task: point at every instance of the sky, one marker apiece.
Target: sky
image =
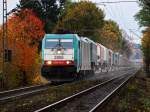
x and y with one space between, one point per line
122 13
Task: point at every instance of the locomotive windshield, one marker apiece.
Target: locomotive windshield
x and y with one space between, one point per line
65 43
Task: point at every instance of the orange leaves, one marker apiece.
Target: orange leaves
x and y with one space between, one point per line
146 49
146 43
26 26
24 55
146 40
111 35
32 25
25 30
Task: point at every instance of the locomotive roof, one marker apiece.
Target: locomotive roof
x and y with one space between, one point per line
89 40
61 36
82 39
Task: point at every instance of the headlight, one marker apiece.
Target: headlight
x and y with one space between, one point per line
49 62
58 52
68 62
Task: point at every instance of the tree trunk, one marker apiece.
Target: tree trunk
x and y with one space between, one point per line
24 81
147 69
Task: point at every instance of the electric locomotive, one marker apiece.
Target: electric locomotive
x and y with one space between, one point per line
65 56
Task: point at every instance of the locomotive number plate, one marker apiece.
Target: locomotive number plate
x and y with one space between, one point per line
58 57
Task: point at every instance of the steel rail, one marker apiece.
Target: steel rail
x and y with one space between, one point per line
94 109
67 99
10 94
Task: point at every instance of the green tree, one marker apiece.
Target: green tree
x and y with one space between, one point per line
143 16
49 12
83 18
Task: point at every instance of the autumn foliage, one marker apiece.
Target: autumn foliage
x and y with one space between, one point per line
146 49
28 32
110 35
143 17
26 26
83 18
24 55
25 31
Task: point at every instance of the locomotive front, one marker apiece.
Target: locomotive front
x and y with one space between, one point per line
57 56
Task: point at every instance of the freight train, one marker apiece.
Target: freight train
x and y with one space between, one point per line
71 56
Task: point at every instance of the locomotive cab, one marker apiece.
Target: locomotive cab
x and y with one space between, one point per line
58 57
59 52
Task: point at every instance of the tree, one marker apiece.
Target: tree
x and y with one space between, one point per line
146 49
83 18
49 13
143 16
110 35
1 49
28 29
27 25
126 49
25 30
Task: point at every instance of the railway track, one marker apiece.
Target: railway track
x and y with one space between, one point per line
10 95
21 92
99 106
91 99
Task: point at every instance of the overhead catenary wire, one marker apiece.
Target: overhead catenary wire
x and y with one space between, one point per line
114 2
120 12
112 14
